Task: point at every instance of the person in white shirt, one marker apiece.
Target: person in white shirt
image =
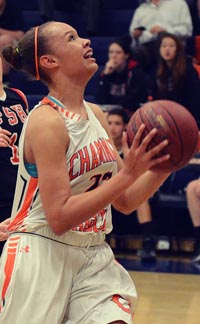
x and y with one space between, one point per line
153 17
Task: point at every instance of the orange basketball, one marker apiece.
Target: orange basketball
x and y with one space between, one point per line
173 122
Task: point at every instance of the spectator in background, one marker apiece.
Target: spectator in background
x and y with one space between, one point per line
13 112
147 252
176 78
117 121
12 26
90 10
122 80
193 199
154 17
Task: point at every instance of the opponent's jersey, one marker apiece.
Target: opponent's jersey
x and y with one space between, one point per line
13 113
90 161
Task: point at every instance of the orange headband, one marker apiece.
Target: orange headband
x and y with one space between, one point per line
36 53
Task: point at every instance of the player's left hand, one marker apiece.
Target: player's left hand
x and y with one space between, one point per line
4 137
3 229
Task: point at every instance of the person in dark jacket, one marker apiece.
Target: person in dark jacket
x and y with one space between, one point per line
122 80
176 78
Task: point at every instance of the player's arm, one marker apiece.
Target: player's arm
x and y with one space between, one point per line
46 143
143 187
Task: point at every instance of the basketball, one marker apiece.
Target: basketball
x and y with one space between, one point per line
173 122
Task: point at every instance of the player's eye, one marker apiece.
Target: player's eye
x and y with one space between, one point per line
71 37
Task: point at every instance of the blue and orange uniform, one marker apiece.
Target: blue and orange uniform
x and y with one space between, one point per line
13 113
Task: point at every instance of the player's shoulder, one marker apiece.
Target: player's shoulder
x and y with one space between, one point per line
45 117
95 109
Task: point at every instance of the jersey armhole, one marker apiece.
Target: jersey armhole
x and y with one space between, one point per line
22 95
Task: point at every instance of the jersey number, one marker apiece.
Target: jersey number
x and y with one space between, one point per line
98 179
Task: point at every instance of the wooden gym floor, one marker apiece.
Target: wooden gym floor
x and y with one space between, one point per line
166 298
168 289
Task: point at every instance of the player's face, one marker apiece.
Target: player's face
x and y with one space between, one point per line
72 54
168 49
117 55
116 125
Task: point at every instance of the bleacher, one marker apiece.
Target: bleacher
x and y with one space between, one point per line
115 20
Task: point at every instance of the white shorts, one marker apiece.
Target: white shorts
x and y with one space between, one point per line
43 281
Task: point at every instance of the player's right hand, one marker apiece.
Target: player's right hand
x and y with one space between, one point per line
138 159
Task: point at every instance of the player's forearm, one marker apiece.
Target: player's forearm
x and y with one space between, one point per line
141 190
78 208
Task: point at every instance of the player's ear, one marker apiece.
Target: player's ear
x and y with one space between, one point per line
48 61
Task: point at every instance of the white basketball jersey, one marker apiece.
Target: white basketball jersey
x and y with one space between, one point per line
90 161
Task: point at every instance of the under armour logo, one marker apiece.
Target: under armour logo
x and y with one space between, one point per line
25 249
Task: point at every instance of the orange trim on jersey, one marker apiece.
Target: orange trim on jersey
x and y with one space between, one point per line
66 113
47 101
21 215
126 308
22 95
8 269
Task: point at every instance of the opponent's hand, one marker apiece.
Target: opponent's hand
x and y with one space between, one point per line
4 137
3 229
137 160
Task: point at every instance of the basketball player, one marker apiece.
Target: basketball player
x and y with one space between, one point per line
69 173
13 112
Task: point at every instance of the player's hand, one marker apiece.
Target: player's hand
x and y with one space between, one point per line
4 137
137 159
3 229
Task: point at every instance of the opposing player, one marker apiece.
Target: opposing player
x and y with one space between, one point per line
69 174
13 112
